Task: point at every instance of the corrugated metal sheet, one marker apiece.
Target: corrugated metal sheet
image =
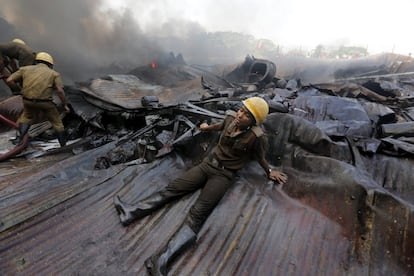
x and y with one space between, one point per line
61 221
331 218
124 92
249 233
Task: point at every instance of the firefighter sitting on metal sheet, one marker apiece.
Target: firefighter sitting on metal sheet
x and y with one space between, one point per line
14 54
241 139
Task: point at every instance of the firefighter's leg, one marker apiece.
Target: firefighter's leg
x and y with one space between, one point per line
23 129
190 181
218 183
61 136
53 116
24 122
211 194
158 263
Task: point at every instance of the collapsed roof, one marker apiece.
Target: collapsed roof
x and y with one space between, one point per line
346 146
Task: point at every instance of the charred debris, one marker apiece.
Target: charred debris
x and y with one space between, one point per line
347 142
153 109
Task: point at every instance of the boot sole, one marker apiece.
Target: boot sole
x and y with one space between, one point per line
152 269
125 217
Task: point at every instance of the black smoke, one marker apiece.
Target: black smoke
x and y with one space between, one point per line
86 41
83 40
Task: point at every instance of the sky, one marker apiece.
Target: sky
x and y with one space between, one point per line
378 25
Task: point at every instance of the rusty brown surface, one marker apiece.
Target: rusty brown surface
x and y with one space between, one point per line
61 220
249 233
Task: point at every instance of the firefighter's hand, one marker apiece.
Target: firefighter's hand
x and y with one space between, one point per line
203 126
278 176
66 108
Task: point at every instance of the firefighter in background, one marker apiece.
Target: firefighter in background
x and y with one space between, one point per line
39 80
15 54
241 140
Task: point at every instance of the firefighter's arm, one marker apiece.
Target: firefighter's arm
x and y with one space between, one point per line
273 174
61 95
259 149
214 127
13 64
12 83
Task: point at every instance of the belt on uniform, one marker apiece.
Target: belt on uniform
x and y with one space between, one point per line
37 100
216 163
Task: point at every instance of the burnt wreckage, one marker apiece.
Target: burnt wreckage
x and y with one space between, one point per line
346 145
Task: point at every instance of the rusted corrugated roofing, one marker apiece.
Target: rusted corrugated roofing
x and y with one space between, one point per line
61 220
342 212
250 233
125 92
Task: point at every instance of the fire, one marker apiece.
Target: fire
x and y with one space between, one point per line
154 65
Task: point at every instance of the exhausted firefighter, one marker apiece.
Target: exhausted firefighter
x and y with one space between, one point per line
241 139
39 80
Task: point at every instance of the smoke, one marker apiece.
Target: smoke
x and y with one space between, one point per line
87 40
82 38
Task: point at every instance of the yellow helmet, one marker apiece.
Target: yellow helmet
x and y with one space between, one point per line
18 40
43 56
258 108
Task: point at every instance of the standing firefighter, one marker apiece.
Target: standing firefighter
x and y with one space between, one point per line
241 139
38 83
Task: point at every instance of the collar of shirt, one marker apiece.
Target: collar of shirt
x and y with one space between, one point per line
232 129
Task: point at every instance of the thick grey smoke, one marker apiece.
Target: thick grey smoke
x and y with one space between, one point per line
81 38
86 41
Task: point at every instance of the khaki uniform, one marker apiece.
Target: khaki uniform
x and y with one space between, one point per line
38 83
216 173
23 53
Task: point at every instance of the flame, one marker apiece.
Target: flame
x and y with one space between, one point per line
259 45
154 65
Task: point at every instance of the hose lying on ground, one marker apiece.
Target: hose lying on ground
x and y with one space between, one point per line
19 147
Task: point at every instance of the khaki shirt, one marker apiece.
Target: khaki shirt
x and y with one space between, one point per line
38 81
23 53
235 152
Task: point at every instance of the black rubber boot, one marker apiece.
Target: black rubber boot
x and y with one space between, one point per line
158 263
61 136
23 129
128 212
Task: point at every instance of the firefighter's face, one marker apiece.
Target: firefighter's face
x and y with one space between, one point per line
243 118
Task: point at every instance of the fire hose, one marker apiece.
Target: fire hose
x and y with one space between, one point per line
19 147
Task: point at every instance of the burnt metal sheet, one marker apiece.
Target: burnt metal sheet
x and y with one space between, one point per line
379 113
335 115
399 145
124 91
405 128
253 70
394 174
52 187
82 235
86 111
257 229
410 113
61 220
341 213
